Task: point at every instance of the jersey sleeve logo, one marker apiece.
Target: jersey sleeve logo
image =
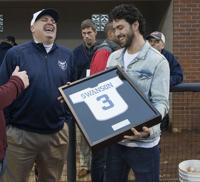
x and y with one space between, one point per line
103 100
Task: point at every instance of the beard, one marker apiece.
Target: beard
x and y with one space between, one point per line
88 43
128 39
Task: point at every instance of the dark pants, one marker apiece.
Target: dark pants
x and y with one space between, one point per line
2 168
145 162
164 125
98 166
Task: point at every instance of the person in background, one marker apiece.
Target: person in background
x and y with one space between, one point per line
6 44
98 64
8 93
149 70
84 52
11 39
82 56
37 131
157 40
102 51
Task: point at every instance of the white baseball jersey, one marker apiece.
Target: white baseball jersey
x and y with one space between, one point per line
103 100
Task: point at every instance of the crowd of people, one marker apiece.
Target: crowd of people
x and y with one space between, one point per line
33 121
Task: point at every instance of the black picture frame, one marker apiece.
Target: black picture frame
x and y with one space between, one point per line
123 104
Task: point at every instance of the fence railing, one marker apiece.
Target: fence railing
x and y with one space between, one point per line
186 87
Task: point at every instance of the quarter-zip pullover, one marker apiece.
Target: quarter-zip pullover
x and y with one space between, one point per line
37 109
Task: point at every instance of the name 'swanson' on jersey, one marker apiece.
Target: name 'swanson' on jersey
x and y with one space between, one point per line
104 101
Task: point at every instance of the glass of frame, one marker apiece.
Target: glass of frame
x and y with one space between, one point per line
107 105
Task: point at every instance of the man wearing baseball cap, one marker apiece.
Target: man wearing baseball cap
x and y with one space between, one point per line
157 36
37 132
157 40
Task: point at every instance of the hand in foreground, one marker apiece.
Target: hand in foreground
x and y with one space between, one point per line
138 135
60 98
22 75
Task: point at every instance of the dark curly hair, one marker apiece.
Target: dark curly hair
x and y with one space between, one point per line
130 14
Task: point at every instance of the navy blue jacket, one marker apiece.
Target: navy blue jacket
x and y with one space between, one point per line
37 108
82 58
176 73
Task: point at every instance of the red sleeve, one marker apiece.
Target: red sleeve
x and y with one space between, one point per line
99 61
10 90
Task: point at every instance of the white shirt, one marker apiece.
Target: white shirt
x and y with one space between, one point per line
48 47
128 58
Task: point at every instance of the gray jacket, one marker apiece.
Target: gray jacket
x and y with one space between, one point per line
150 72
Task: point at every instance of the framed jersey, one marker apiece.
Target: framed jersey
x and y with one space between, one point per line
107 105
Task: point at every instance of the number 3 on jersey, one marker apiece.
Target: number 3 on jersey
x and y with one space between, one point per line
105 100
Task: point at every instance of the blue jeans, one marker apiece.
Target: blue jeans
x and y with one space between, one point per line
98 166
145 163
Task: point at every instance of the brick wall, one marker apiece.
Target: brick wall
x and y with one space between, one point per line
186 46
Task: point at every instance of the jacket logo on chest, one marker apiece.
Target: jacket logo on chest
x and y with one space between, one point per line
62 64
